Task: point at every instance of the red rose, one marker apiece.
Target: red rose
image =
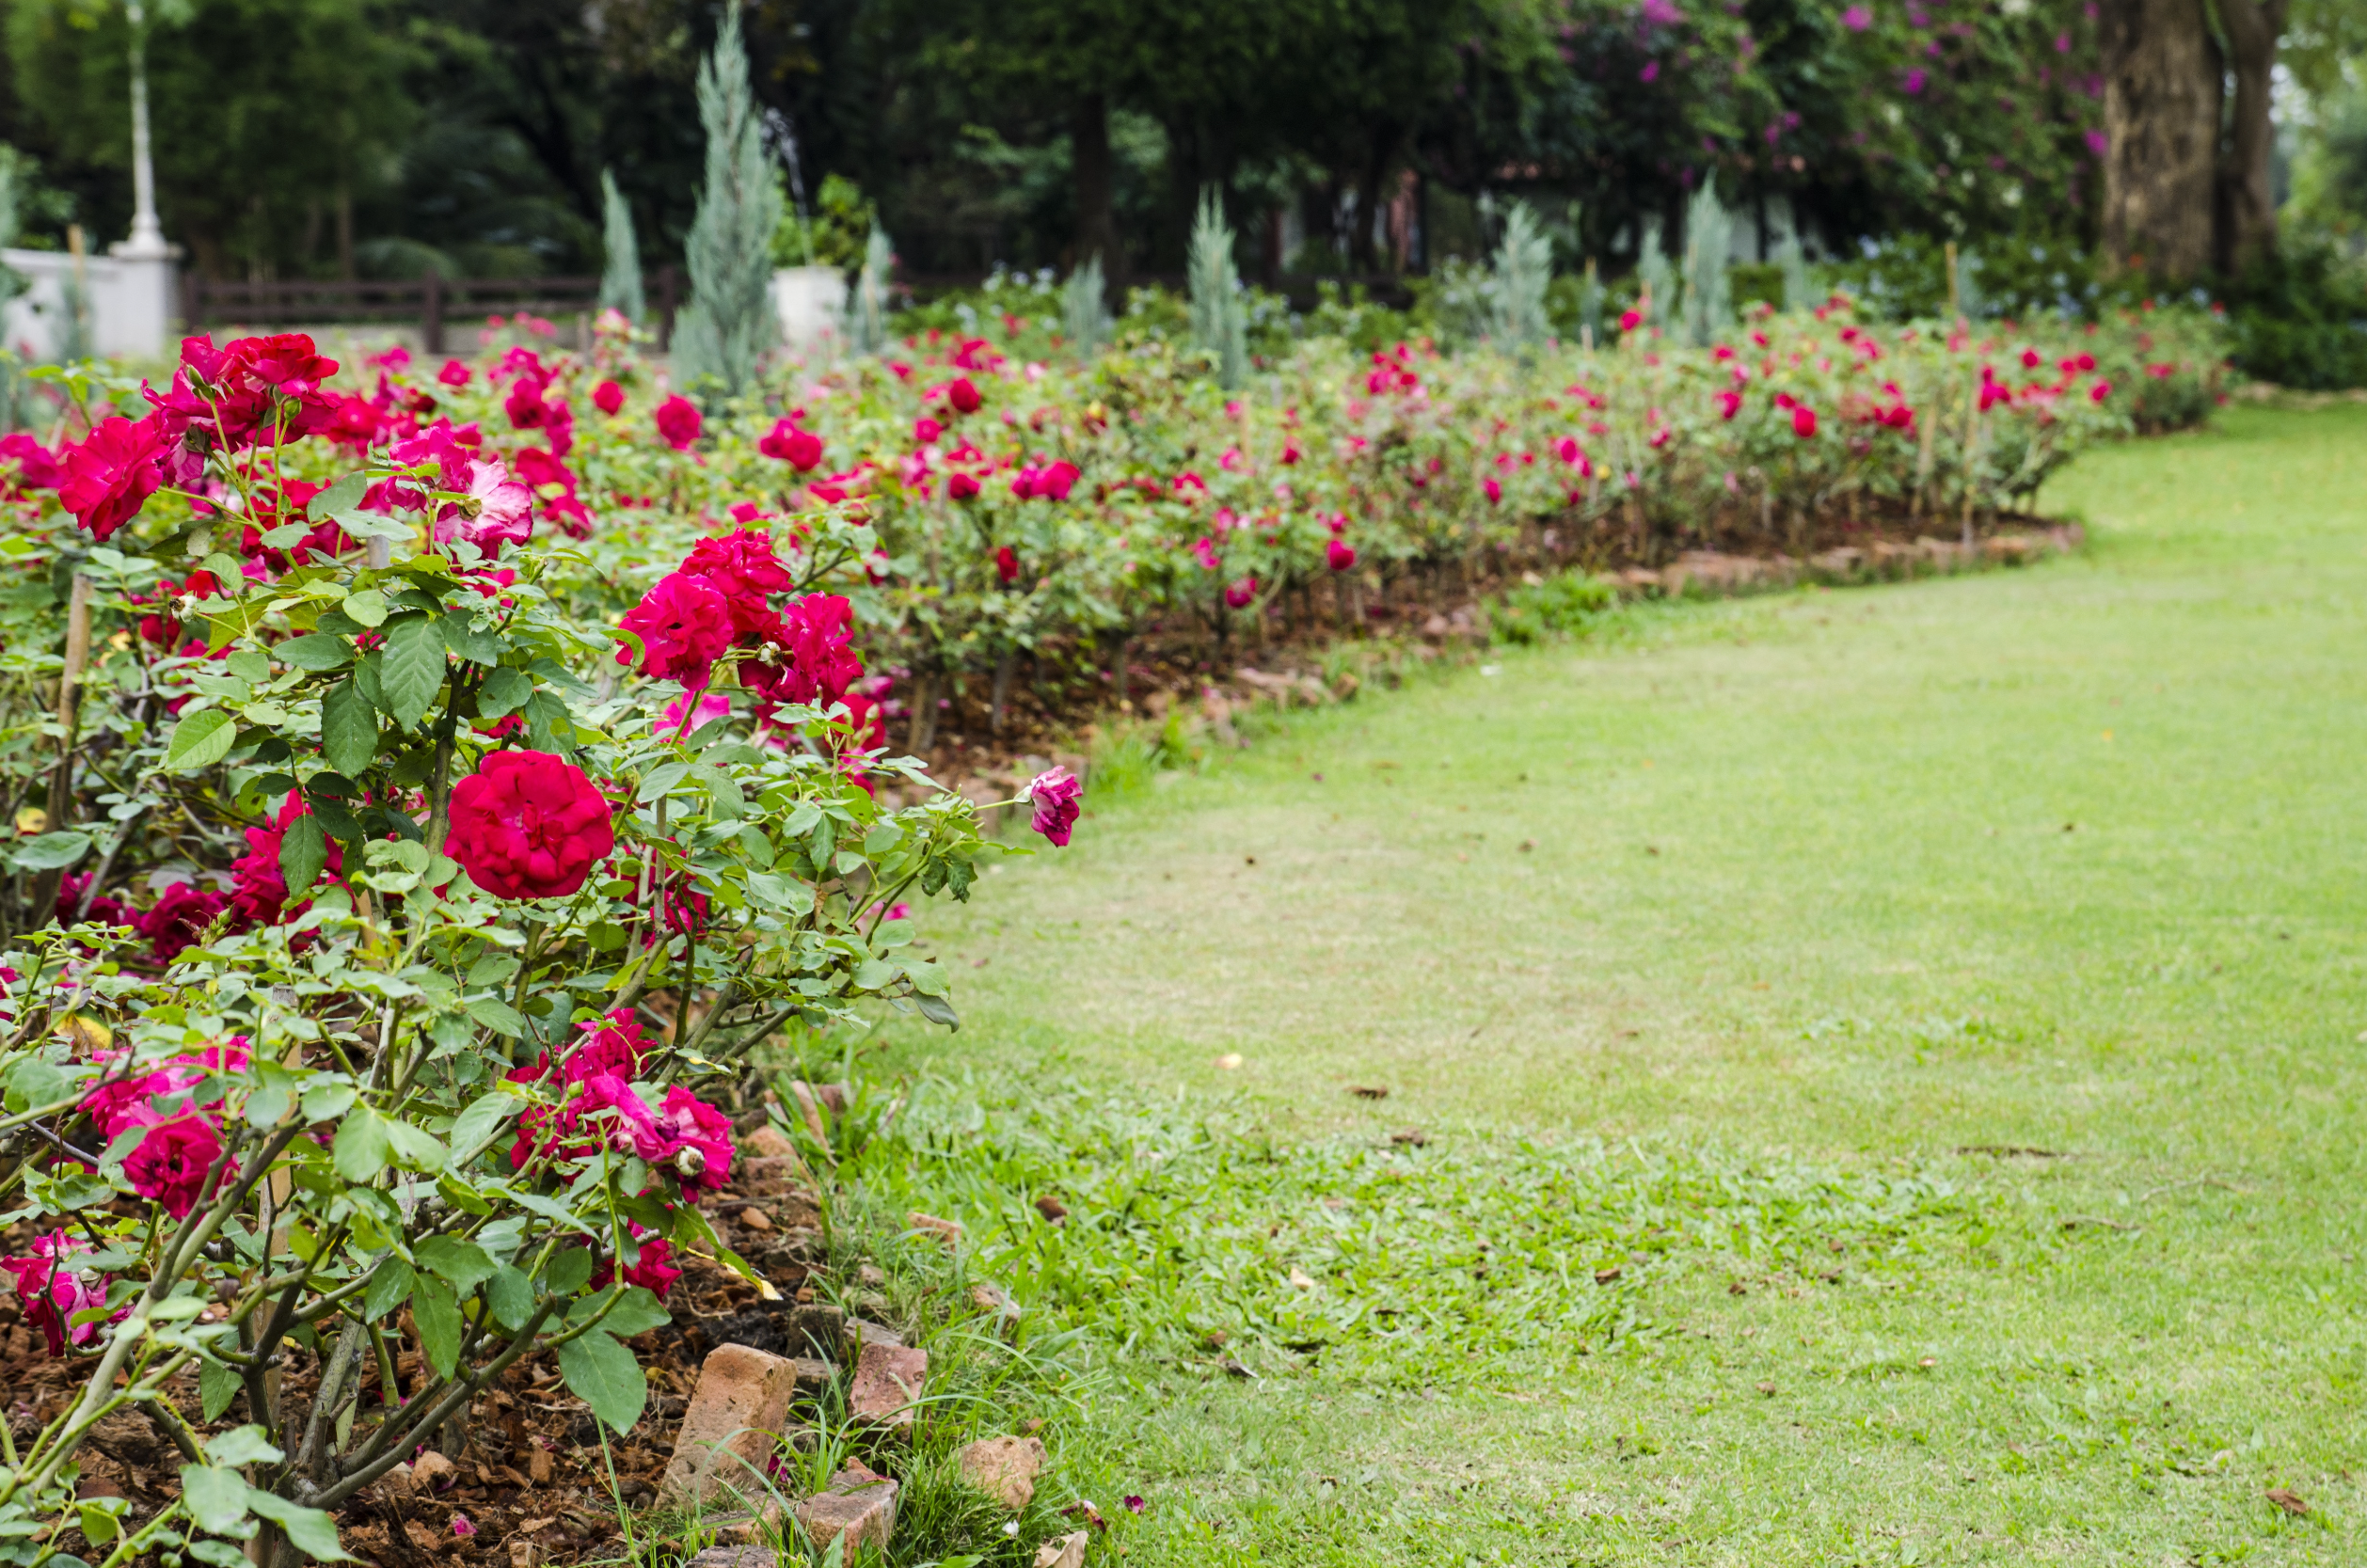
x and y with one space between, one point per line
1006 564
1341 554
285 363
170 1162
964 395
179 919
528 825
801 449
109 477
816 663
678 422
683 623
608 397
742 567
961 486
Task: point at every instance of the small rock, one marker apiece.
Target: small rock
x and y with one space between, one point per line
735 1415
735 1555
944 1230
814 1375
767 1143
1067 1552
887 1383
859 1508
862 1332
1004 1469
870 1275
992 1299
753 1218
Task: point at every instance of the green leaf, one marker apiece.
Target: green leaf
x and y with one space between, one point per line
936 1009
54 851
316 651
500 1017
324 1101
461 1196
200 740
413 670
218 1386
605 1375
98 1526
414 1148
362 1147
388 1289
510 1295
637 1311
217 1499
313 1532
303 855
547 725
437 1311
470 643
504 692
484 1117
367 608
219 1553
780 894
349 729
568 1270
465 1263
343 496
241 1445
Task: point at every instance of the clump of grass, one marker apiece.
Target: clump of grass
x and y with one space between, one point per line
1193 1239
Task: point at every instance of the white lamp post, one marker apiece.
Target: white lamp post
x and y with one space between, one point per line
147 243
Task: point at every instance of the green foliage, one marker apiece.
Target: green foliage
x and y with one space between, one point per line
730 321
620 272
1558 605
834 236
1524 270
1219 321
1709 295
1083 313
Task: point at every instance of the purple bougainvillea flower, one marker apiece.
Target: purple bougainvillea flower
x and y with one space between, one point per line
1857 18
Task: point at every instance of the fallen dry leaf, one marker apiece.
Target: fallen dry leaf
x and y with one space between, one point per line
2288 1501
1370 1091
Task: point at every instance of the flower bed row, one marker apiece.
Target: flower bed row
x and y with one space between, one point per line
429 785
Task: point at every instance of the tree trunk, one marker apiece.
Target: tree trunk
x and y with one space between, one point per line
2247 210
1096 186
2161 112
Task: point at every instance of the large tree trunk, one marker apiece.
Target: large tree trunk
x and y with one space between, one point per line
2161 112
1096 194
2247 210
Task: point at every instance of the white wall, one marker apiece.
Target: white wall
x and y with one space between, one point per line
131 304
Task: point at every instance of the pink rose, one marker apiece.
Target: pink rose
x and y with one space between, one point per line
1055 794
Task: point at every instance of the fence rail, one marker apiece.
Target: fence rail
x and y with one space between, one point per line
433 301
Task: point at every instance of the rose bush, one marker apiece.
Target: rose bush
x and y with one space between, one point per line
376 939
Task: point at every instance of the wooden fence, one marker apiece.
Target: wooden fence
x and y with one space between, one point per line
433 302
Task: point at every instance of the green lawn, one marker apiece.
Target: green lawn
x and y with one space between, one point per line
1816 888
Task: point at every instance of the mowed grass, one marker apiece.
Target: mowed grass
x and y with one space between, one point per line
2066 859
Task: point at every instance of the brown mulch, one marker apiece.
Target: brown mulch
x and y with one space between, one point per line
527 1469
